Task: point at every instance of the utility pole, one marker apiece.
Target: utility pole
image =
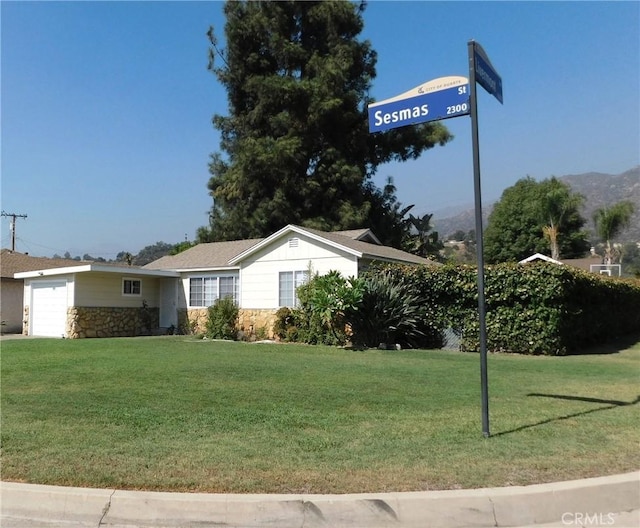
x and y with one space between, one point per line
13 226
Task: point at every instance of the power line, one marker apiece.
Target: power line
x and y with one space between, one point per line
13 226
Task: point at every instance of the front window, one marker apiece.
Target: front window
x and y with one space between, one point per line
203 291
131 287
289 281
228 288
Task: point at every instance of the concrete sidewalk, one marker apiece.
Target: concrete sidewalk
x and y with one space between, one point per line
612 501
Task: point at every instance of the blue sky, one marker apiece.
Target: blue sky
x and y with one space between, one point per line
106 109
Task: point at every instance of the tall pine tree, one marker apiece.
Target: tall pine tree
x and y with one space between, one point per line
296 143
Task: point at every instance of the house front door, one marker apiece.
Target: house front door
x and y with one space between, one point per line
168 302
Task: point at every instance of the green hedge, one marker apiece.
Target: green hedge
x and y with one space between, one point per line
537 308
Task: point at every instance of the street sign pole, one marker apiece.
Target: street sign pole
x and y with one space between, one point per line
444 98
482 307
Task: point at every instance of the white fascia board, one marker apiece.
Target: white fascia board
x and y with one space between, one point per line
291 229
51 271
213 270
122 270
126 270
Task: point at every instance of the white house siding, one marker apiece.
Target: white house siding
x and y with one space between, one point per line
105 289
259 273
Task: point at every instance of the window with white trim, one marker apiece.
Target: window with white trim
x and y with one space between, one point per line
228 288
131 287
203 291
288 284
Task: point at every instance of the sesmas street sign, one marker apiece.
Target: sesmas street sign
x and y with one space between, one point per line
441 98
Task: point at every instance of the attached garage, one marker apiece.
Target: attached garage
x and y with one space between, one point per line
98 300
48 316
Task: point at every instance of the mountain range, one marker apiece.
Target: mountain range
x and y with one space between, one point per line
599 190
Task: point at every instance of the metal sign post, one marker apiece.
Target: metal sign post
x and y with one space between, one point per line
481 71
444 98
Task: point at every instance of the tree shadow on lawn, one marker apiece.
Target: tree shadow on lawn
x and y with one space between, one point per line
608 404
614 346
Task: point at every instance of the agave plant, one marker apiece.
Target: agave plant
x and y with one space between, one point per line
390 311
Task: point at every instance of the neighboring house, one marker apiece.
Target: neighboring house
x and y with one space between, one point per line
261 275
593 263
540 256
12 289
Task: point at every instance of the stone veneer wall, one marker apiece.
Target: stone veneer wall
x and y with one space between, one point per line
194 321
252 321
111 322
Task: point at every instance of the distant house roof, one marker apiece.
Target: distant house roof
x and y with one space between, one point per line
229 254
540 256
583 263
12 262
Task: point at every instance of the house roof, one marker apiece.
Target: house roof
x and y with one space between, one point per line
12 262
229 254
207 256
366 249
366 235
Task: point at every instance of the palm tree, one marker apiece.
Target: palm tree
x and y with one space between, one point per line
609 221
421 239
556 202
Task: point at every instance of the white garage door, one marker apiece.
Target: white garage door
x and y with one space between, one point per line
48 310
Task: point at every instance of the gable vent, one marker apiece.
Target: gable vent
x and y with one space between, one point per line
293 242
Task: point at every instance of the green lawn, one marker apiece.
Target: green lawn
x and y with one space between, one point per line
173 413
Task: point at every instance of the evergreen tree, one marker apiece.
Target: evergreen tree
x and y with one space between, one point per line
520 222
296 143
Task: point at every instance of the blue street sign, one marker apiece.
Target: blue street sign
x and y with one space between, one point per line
441 98
486 75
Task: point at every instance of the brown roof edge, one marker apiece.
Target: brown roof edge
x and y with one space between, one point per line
15 262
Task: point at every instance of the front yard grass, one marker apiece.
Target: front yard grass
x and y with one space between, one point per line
177 414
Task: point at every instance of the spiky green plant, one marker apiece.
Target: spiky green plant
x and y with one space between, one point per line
391 311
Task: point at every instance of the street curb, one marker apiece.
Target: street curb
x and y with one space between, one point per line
601 498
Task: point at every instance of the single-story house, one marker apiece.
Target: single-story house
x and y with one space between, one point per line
12 289
261 275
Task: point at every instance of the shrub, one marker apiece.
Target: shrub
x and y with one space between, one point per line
284 321
391 311
222 318
531 309
324 302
